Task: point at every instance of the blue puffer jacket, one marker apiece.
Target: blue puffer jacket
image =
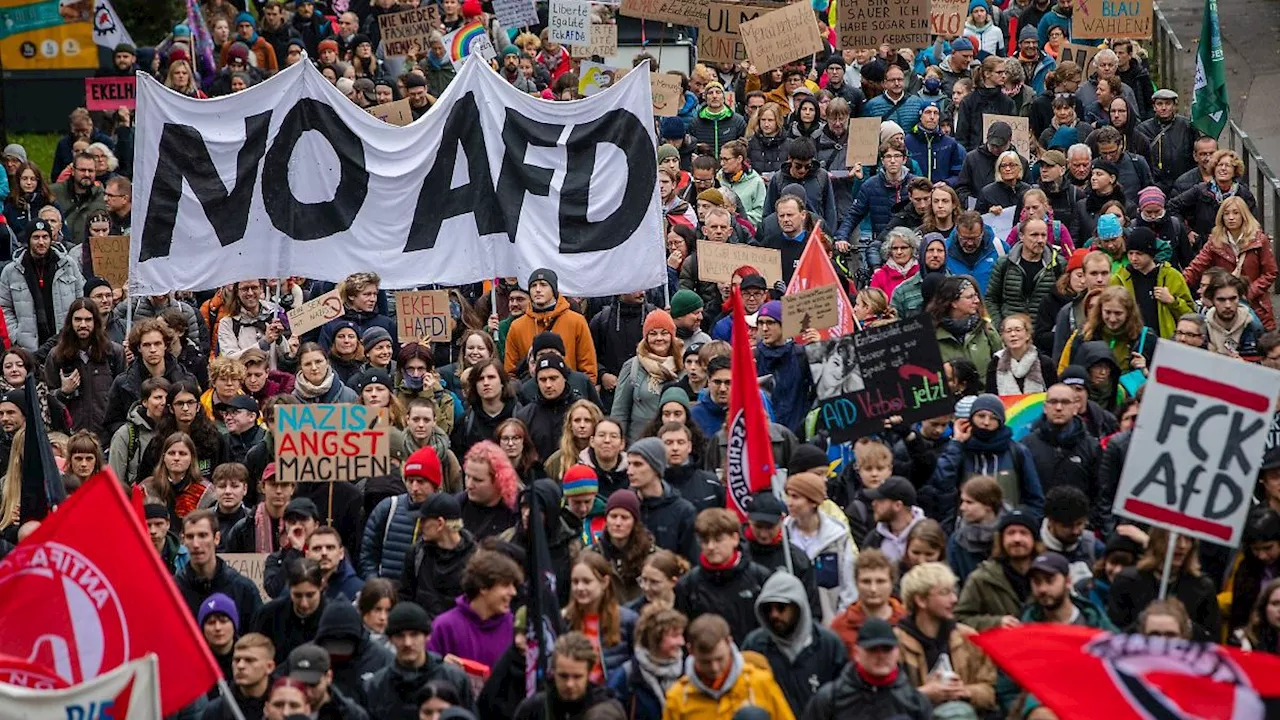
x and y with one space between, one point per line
792 386
383 549
905 112
875 199
1043 67
981 263
939 156
615 656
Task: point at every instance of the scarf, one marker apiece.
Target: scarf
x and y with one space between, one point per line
264 539
434 63
727 565
1020 583
1219 194
314 392
900 269
874 681
42 393
985 448
959 328
1053 543
661 370
975 537
659 675
1009 371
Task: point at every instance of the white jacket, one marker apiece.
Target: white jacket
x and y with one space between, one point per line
832 552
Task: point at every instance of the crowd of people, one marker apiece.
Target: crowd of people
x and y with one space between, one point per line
853 592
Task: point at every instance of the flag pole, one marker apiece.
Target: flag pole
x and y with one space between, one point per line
1168 565
225 691
786 547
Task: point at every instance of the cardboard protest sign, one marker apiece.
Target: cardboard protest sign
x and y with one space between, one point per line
595 77
396 112
108 94
111 259
470 39
864 142
568 21
718 38
1201 432
330 443
250 565
668 95
515 13
676 12
946 17
817 307
1081 55
1113 19
311 315
602 42
869 23
422 315
717 261
876 373
1021 127
779 37
406 31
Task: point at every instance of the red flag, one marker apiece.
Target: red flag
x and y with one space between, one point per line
1133 677
87 592
815 270
749 459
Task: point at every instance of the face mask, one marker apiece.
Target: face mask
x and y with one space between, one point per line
413 382
932 84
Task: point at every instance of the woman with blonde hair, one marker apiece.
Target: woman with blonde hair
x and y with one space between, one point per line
1136 587
105 161
575 437
180 78
640 382
944 211
595 610
871 307
1005 192
1113 319
1199 206
767 141
1238 245
1019 368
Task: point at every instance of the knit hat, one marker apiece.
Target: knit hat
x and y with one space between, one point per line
179 52
624 500
808 486
713 196
658 320
961 44
373 336
1018 516
15 150
685 301
580 480
964 407
1076 261
93 283
1141 239
414 80
1105 166
510 50
1120 543
181 29
1053 157
667 152
772 310
1028 32
328 44
471 8
807 456
424 463
547 276
1063 138
407 616
219 604
359 39
979 3
990 403
713 84
238 51
672 128
551 362
1108 226
1151 196
547 341
373 376
155 510
674 394
888 129
651 450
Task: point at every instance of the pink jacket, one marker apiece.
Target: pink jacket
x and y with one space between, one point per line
888 279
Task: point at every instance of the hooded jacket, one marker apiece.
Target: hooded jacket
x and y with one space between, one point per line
750 189
616 330
1066 456
768 153
809 657
462 632
341 621
127 445
850 697
717 128
669 517
389 535
546 705
981 262
832 553
729 593
792 383
580 352
749 682
939 156
280 622
226 580
391 694
1005 288
907 299
1001 456
977 346
819 194
700 487
19 304
982 101
432 577
770 557
545 419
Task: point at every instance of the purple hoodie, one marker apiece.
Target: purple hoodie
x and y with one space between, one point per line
461 631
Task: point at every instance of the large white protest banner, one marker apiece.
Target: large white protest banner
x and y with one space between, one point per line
129 692
1199 440
291 178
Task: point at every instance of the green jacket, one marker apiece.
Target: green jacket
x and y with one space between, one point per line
1166 277
750 189
987 596
978 347
1004 290
1007 691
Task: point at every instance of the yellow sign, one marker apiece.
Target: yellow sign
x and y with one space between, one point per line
47 35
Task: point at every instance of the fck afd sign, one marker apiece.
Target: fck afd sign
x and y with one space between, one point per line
1193 460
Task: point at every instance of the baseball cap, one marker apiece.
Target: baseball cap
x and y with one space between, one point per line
1075 376
766 508
308 663
876 633
753 282
239 402
441 505
1000 133
1052 563
303 507
895 487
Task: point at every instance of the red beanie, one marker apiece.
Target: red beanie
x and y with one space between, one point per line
471 8
424 463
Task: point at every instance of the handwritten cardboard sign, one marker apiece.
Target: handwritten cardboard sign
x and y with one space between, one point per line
111 259
603 42
865 24
1113 19
569 20
250 565
406 31
717 261
109 94
1021 127
876 373
1081 55
817 307
946 17
516 13
864 142
422 314
668 96
396 112
676 12
718 38
313 314
779 37
330 443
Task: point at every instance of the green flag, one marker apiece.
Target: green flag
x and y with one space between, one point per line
1210 106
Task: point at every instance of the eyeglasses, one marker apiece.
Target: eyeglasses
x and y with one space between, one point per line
185 403
1186 334
510 439
1059 401
891 156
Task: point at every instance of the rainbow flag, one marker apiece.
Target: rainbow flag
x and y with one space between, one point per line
470 39
1021 412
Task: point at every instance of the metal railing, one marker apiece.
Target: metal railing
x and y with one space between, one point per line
1165 49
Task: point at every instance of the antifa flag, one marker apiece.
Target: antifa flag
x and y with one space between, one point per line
749 464
815 270
542 596
80 606
1134 677
42 488
129 692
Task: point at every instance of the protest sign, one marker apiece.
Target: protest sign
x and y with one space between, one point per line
1021 127
1113 19
422 315
817 307
779 37
515 13
676 12
876 373
668 95
109 94
396 112
1081 55
330 443
250 565
405 32
864 142
111 258
946 17
595 77
470 39
603 42
1000 224
718 38
1202 431
865 24
316 312
717 261
568 21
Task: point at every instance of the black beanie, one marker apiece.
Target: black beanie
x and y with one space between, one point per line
407 616
93 283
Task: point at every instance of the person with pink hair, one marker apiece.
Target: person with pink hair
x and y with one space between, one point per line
489 499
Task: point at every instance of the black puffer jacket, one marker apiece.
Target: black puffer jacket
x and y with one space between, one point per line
341 621
670 518
767 154
545 419
390 694
698 486
982 101
849 697
1066 456
278 621
225 580
729 593
432 575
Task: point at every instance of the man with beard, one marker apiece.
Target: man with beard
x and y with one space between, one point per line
766 544
206 573
1233 328
939 156
616 331
994 593
1066 515
82 366
802 653
571 693
1060 436
1203 151
687 312
894 505
391 694
973 249
432 575
38 288
324 545
124 62
545 417
908 298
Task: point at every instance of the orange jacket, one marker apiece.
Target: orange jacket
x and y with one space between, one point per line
580 351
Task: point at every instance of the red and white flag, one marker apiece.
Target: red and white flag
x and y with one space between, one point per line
749 464
1134 677
87 592
815 270
130 692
